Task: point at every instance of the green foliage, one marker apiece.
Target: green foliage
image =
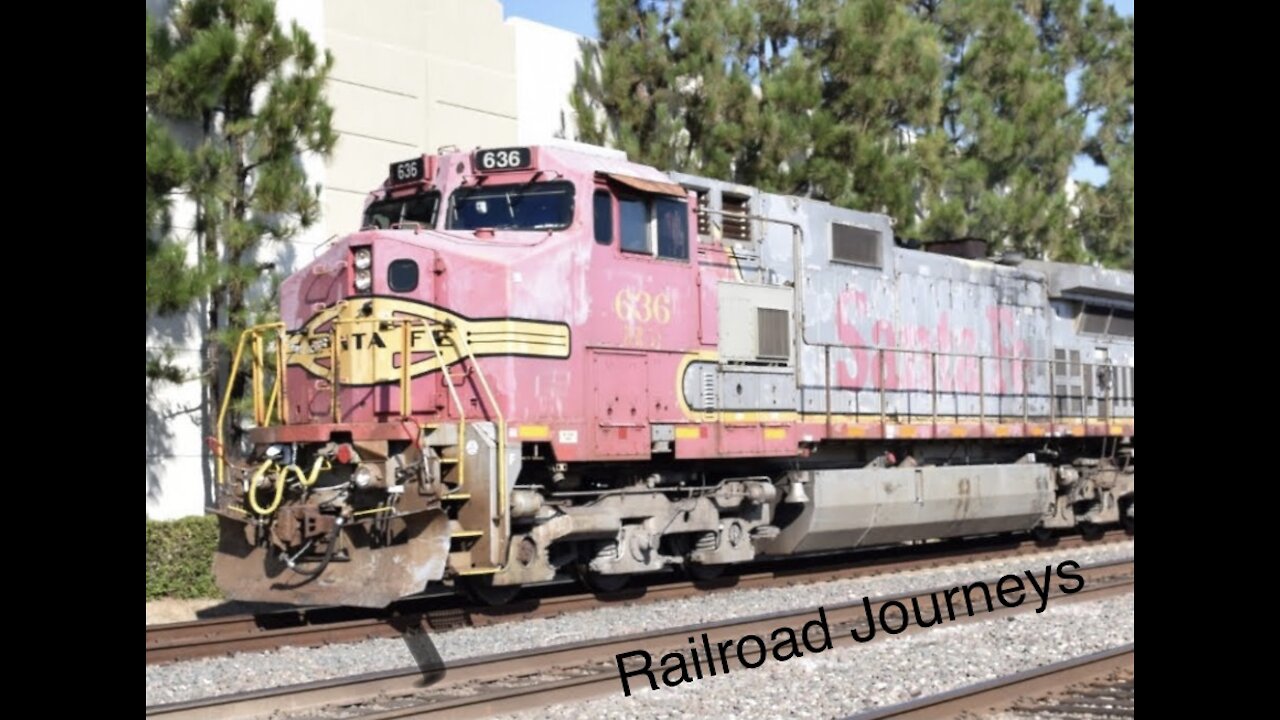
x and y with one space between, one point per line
1105 50
234 102
956 118
180 557
160 366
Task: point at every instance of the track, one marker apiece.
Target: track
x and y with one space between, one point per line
173 642
1096 685
481 686
1107 696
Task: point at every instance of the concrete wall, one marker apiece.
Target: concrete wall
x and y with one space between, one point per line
409 77
546 62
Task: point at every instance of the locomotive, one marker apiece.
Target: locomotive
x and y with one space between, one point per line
532 362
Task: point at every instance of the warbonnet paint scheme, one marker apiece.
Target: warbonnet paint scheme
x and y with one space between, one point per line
532 361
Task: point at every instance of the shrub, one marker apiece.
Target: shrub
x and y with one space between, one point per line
180 557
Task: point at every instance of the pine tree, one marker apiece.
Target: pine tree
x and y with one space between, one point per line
878 68
713 87
1010 136
234 101
956 118
1104 49
625 93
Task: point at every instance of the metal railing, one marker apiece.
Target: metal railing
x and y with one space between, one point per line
268 405
1089 388
264 407
500 431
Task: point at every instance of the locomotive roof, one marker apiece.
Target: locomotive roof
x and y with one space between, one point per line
1084 282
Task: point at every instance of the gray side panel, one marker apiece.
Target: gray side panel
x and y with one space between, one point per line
739 331
876 506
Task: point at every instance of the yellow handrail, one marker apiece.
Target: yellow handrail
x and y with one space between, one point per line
278 389
333 372
457 403
406 360
501 426
262 412
259 407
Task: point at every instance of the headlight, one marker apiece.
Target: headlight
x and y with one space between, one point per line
363 258
364 280
364 476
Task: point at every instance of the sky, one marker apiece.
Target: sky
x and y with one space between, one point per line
574 15
579 16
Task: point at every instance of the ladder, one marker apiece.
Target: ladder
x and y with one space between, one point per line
469 457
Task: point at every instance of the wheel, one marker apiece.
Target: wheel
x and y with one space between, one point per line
598 583
484 592
684 546
1092 531
1043 535
699 572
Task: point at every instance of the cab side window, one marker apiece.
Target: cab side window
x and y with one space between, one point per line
633 225
602 210
657 226
672 220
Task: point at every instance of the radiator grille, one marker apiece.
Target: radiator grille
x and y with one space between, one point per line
773 333
853 244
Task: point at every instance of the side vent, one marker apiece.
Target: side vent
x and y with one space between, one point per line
1095 320
704 218
755 323
709 394
856 245
736 208
1072 385
774 334
1098 320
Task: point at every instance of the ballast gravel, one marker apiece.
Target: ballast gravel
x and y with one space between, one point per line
852 678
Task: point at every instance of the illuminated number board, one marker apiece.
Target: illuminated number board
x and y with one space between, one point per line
407 171
500 159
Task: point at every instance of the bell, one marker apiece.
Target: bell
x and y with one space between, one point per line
796 493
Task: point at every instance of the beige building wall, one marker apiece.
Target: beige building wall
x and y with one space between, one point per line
409 77
546 59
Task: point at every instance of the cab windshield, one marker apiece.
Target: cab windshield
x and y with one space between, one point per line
420 209
528 206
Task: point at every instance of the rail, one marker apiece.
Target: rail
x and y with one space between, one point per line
273 629
481 686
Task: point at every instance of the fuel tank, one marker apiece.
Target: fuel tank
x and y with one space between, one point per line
879 506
